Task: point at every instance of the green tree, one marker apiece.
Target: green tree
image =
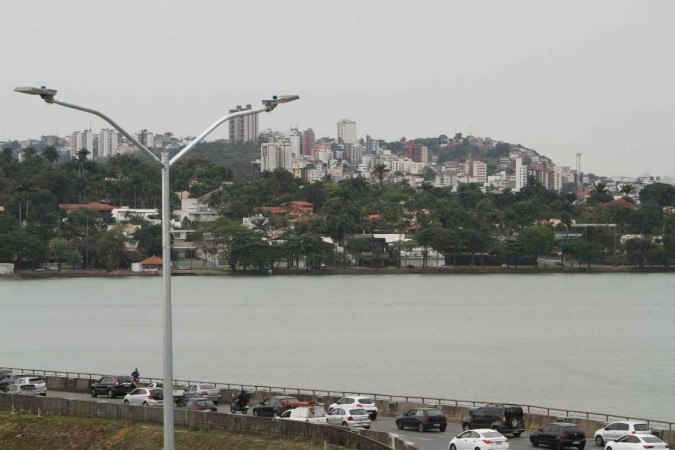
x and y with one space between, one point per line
536 240
63 252
357 246
583 251
110 247
50 154
661 193
379 170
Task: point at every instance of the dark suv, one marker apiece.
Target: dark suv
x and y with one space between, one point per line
112 386
559 435
507 419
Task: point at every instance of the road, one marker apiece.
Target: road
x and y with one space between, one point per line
429 440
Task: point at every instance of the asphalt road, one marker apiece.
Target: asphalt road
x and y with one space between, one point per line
428 440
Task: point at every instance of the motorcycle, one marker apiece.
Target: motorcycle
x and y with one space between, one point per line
237 405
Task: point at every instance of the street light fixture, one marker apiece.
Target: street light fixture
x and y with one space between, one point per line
165 163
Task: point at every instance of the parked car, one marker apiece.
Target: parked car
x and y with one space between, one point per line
38 382
636 442
24 389
348 417
422 419
8 378
482 438
197 404
112 386
310 414
275 406
360 401
559 435
208 391
145 396
178 391
615 430
507 419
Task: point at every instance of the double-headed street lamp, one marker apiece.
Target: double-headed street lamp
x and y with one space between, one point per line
165 163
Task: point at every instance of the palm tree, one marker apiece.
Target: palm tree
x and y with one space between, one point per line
50 154
627 189
379 170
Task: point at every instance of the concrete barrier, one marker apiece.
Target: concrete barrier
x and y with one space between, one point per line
364 440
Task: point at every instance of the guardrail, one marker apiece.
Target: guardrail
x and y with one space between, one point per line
431 401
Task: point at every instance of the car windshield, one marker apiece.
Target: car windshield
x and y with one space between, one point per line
573 430
641 427
36 380
492 434
358 412
207 386
124 379
433 412
155 391
652 440
366 401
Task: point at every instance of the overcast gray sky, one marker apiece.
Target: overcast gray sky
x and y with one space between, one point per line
589 76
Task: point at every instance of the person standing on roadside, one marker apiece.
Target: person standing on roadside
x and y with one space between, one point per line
135 375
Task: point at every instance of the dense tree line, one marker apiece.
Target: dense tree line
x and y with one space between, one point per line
464 223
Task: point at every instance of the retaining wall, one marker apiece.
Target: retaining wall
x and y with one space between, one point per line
366 440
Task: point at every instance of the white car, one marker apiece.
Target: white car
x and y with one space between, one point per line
38 382
482 438
24 389
348 417
178 391
359 401
615 430
310 414
636 442
144 396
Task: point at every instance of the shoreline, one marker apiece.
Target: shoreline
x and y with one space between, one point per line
463 270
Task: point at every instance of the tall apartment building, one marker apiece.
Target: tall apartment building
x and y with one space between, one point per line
372 145
243 128
107 143
480 171
346 131
418 153
521 175
80 140
296 141
146 138
276 155
308 141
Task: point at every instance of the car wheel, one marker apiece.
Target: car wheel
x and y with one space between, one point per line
558 445
145 403
215 403
420 427
609 448
535 442
599 441
111 394
516 434
442 429
453 447
345 424
94 393
581 447
374 416
126 402
399 424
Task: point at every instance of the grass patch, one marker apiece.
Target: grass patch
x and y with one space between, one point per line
24 431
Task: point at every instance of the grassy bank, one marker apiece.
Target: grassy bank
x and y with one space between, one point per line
22 431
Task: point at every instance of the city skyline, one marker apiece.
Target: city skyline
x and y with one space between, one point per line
561 79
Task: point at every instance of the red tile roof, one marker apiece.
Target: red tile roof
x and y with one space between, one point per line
95 206
622 203
153 260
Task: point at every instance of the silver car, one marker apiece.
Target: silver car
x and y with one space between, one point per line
24 389
348 417
207 391
38 382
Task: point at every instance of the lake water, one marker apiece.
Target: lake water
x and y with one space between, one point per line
601 342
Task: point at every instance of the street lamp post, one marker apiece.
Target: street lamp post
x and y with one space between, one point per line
165 164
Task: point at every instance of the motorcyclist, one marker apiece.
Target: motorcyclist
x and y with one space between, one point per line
242 398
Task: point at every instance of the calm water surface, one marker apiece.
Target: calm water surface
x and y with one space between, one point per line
592 342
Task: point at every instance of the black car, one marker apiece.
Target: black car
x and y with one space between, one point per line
197 404
507 419
422 419
113 386
274 406
559 435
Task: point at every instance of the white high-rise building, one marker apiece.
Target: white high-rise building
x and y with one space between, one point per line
276 155
243 128
107 143
480 171
346 131
146 138
82 140
295 137
521 175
